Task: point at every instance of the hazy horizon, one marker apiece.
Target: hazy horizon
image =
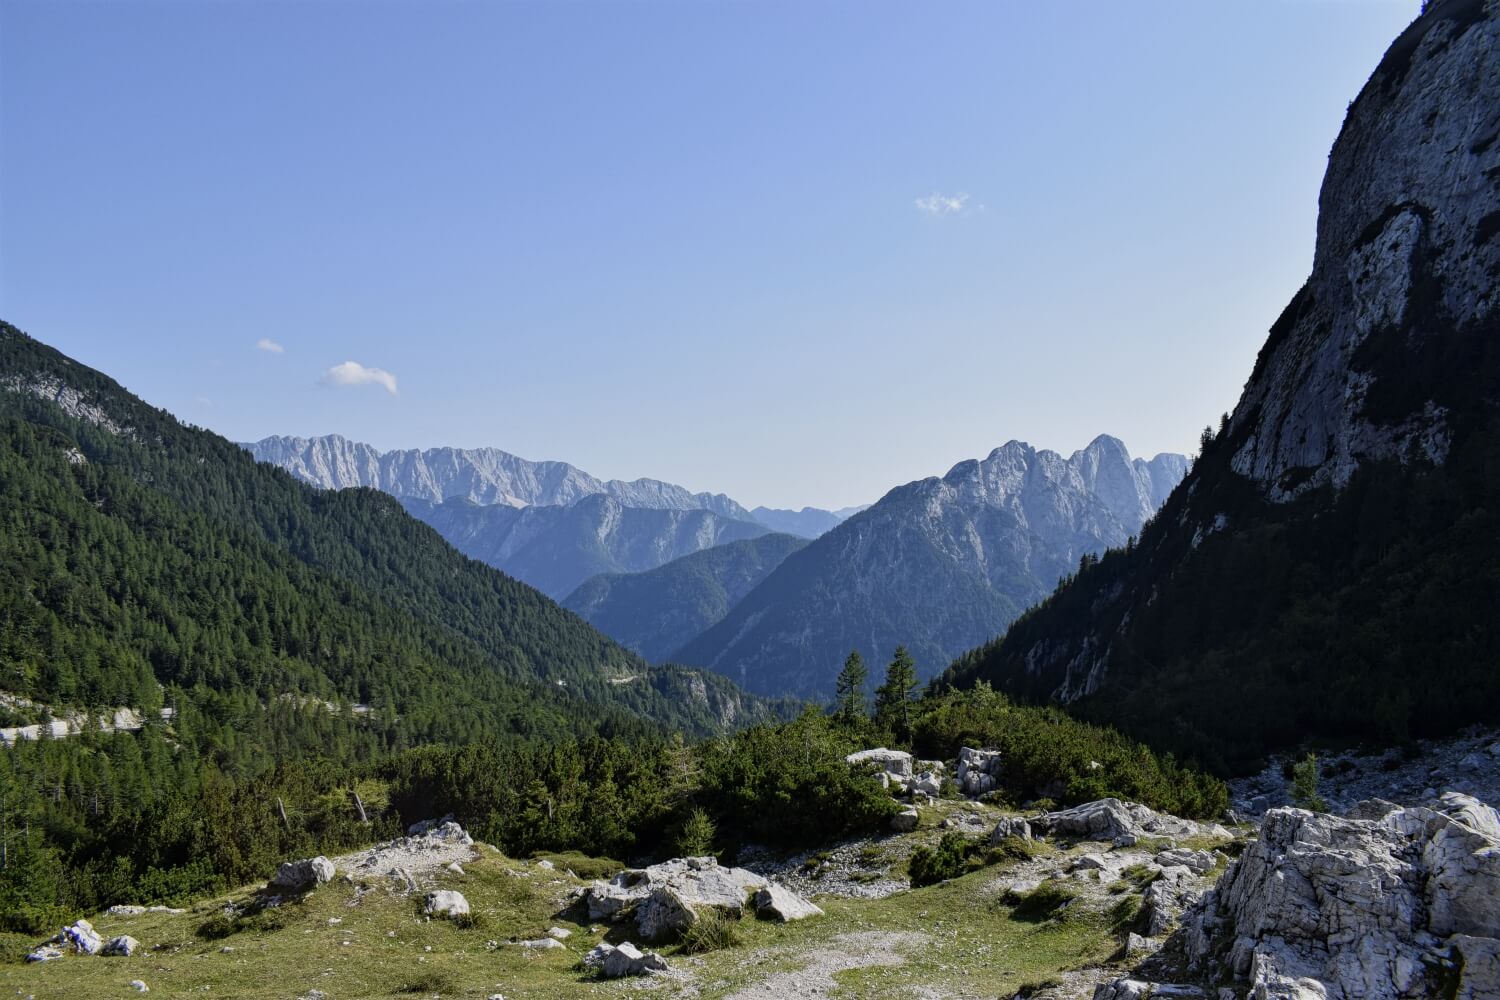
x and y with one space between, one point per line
868 242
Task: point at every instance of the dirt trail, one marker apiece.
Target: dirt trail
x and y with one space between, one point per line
847 951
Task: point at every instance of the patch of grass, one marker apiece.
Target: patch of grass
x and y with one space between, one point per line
869 856
429 982
1125 916
1013 849
713 931
1045 902
582 865
471 921
15 947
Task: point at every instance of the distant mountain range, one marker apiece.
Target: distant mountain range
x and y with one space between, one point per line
549 524
656 612
556 548
479 475
938 565
809 522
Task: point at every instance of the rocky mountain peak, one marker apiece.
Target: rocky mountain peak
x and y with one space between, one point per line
1404 271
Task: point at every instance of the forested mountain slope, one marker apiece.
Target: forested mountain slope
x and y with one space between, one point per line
655 612
937 565
140 553
1331 566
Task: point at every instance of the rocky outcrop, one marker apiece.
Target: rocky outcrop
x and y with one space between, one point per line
668 898
906 820
978 771
940 565
1010 826
896 763
1117 821
304 874
1374 909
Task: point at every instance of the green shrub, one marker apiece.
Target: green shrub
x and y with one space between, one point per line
713 931
1305 785
1045 902
954 855
582 865
433 981
695 836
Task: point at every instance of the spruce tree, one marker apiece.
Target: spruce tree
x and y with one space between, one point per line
893 698
850 690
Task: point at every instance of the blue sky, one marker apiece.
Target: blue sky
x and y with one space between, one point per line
795 252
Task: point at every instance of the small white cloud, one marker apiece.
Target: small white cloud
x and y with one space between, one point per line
267 344
354 373
938 205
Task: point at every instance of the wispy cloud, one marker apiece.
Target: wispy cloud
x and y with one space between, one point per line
937 205
267 344
354 373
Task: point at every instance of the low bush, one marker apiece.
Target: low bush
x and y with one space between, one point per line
1045 902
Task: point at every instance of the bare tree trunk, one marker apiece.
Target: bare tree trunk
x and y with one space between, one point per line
280 808
359 806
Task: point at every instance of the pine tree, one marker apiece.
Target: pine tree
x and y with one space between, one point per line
893 698
850 692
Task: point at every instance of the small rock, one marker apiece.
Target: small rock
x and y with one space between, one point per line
46 953
124 945
456 868
906 820
82 937
542 944
626 960
124 910
780 903
1010 826
302 874
544 863
561 933
447 903
139 986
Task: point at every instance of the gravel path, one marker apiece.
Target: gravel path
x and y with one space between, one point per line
859 950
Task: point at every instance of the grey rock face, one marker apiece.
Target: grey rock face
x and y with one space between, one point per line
479 475
978 771
1409 184
893 762
1370 909
939 565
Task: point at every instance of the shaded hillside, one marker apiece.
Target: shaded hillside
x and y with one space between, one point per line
655 612
557 548
1331 566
